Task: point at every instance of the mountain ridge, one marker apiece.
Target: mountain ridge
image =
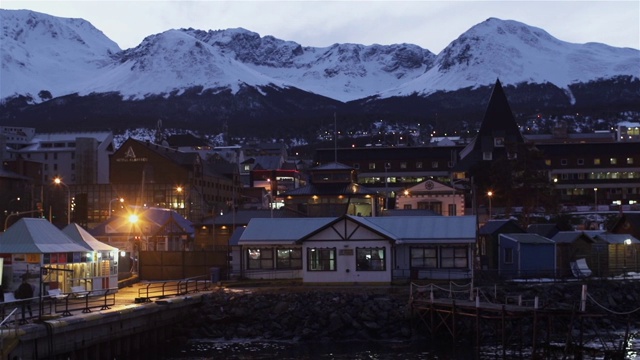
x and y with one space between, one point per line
222 77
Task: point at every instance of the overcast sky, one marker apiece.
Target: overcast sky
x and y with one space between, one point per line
429 24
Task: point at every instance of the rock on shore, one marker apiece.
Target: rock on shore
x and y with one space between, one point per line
299 315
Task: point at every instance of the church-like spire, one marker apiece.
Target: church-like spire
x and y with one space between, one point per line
498 119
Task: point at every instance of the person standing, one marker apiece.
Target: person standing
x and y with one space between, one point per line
25 291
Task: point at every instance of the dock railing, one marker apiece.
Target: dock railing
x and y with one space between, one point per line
163 289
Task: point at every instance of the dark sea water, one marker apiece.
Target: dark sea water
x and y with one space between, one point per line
371 350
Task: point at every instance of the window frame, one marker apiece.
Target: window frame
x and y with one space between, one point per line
294 260
371 264
261 260
331 260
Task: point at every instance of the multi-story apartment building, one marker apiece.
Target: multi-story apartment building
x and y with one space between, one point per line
77 158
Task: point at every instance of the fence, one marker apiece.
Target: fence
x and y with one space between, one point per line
162 289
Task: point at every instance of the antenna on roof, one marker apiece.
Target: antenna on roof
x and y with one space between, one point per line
335 138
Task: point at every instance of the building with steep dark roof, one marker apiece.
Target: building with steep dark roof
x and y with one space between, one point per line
148 174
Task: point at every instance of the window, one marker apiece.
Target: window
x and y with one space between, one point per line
613 161
434 164
453 257
289 258
563 161
407 206
498 141
487 155
629 160
452 209
419 165
547 162
55 156
596 161
403 165
259 258
424 257
356 166
321 259
508 256
247 167
370 259
372 166
580 161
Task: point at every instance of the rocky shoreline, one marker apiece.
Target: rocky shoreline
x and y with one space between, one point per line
369 313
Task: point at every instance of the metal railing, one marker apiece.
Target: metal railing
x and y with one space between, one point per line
84 301
162 289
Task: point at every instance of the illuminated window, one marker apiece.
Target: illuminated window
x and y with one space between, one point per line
289 258
372 166
370 259
613 161
596 161
321 259
259 258
629 160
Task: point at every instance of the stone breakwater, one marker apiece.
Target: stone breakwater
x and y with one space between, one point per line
323 314
301 315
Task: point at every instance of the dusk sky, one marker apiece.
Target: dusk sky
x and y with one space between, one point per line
429 24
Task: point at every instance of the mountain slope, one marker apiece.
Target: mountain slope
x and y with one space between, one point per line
42 52
516 53
63 73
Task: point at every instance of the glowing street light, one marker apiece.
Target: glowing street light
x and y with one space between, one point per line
58 181
490 194
110 202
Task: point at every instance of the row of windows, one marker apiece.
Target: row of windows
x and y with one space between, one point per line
367 258
454 257
596 161
404 165
45 145
608 175
318 259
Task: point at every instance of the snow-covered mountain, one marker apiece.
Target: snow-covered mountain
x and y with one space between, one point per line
59 73
63 56
517 53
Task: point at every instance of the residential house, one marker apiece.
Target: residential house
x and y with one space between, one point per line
432 195
353 249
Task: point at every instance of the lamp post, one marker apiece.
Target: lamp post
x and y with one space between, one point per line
59 181
490 194
595 192
110 202
133 220
627 244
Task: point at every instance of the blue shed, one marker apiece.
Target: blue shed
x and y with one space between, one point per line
526 255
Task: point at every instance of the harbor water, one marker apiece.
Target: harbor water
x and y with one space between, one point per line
201 349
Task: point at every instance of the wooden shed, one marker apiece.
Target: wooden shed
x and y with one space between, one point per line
526 256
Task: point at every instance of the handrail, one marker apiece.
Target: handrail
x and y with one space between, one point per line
8 317
162 289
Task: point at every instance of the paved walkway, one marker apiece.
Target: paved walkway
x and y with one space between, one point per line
126 297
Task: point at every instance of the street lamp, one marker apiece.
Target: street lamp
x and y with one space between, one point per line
110 202
59 181
595 192
490 194
627 244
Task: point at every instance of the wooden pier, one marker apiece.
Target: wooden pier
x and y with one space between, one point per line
514 328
